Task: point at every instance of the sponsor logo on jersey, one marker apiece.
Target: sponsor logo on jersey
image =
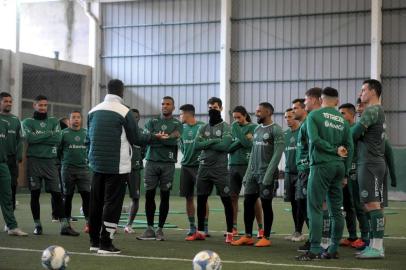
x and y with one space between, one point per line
329 124
190 133
333 117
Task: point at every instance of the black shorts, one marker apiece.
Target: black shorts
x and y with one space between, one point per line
188 177
371 178
159 174
75 177
46 169
301 185
290 187
134 182
237 173
209 177
253 185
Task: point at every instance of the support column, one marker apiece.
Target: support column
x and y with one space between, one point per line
225 57
376 38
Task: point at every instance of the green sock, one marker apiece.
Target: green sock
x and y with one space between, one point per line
206 225
326 224
37 223
377 223
192 224
371 232
259 226
235 225
64 223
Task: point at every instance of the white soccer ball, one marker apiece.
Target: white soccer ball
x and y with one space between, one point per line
207 260
55 258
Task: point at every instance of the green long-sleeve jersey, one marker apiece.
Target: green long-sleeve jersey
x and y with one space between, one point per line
3 140
290 150
213 141
302 148
138 156
327 131
43 137
390 162
163 150
73 148
240 148
187 147
14 144
267 150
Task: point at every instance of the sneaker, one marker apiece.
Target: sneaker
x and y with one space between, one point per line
235 232
195 236
328 256
149 234
243 241
371 253
159 235
298 237
263 242
308 256
346 242
5 228
359 243
260 233
207 234
229 238
86 228
305 247
73 219
108 250
17 232
128 229
68 231
54 219
289 237
94 248
325 243
37 230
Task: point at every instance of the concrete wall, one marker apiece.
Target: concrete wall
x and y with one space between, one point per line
55 26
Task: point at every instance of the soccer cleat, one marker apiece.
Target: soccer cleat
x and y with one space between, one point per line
17 232
235 232
5 228
86 228
243 241
54 219
108 250
260 233
289 237
263 242
195 236
328 256
346 242
73 219
149 234
69 231
229 238
159 235
37 230
371 253
128 229
308 256
359 243
94 248
298 237
305 247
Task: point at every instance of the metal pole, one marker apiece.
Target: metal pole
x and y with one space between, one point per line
225 57
16 82
376 38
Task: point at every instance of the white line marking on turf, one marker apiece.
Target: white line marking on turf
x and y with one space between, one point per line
188 260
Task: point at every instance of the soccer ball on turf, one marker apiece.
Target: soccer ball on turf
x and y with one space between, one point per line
207 260
55 258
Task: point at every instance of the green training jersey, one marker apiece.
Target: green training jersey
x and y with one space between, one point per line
73 148
137 156
371 144
267 149
43 137
213 141
302 148
3 140
187 147
240 149
327 131
290 150
163 150
14 139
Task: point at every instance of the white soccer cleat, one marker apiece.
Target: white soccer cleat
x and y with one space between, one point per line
17 232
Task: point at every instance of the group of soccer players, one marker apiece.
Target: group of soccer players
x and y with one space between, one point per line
331 161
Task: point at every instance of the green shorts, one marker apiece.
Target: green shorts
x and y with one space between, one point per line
159 174
13 168
253 185
371 178
301 185
39 169
75 177
209 177
134 182
188 177
237 173
290 180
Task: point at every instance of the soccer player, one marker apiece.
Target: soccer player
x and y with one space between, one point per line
242 131
213 139
160 167
291 173
369 132
75 171
330 142
43 136
267 149
190 165
14 141
135 178
351 200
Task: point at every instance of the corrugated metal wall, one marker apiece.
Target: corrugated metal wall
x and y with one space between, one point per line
163 48
394 68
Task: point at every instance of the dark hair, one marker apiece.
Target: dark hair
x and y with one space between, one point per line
40 97
115 87
135 110
170 98
301 101
213 100
74 111
359 101
330 92
348 106
267 105
288 110
62 123
314 92
374 85
243 111
4 94
188 108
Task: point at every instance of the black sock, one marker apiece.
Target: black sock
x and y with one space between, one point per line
249 212
201 211
268 216
58 204
228 210
150 206
34 203
68 205
163 208
85 203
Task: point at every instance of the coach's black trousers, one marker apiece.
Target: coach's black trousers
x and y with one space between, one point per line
106 200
